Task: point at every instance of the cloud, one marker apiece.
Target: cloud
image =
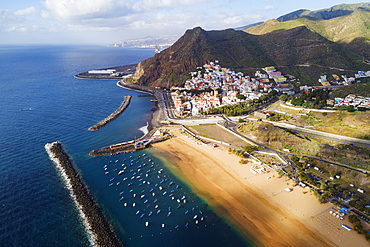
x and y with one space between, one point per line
25 11
269 7
23 21
76 10
72 10
113 15
145 16
150 4
9 21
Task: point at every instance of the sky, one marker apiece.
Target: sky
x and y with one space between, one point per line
111 21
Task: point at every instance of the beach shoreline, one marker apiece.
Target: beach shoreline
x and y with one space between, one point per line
258 206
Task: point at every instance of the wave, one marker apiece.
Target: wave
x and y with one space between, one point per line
145 129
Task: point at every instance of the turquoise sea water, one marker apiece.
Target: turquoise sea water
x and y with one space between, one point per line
42 102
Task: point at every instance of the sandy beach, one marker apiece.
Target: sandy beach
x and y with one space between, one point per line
257 205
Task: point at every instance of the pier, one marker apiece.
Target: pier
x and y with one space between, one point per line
152 137
96 223
119 73
114 115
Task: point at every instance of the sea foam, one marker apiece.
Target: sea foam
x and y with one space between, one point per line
144 129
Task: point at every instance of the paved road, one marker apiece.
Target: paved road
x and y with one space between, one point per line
233 127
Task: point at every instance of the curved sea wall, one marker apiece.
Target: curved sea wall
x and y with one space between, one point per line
140 88
98 227
114 115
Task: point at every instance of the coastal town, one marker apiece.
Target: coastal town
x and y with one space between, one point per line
213 86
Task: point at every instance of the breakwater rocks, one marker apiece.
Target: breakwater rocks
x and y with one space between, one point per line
132 145
114 149
98 227
114 115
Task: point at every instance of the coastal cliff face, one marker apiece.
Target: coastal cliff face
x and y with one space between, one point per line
138 72
239 50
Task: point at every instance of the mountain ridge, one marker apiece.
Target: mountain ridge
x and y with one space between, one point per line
288 49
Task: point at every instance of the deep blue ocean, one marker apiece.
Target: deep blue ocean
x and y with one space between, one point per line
42 102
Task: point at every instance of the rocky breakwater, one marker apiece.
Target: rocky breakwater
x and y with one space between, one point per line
158 111
98 227
114 115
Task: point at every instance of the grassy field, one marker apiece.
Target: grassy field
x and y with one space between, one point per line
215 132
352 124
268 159
280 139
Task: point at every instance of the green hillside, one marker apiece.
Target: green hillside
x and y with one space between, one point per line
351 30
325 14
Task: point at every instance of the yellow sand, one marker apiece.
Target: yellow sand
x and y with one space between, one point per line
257 205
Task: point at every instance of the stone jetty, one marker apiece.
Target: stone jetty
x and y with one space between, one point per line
132 145
95 221
114 115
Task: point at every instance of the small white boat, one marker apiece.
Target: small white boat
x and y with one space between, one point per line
162 225
147 223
